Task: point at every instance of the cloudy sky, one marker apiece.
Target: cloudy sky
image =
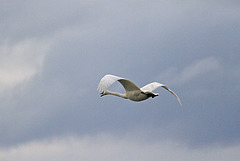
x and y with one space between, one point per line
54 53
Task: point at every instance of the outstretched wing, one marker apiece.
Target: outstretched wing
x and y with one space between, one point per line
109 79
152 86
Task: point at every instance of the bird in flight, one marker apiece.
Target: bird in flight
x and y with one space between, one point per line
133 92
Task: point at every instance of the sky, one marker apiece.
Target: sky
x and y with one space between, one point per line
54 53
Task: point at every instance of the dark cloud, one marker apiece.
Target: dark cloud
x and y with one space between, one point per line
192 47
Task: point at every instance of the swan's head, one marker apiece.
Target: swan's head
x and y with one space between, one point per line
103 93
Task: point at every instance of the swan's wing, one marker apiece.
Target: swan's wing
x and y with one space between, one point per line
109 79
152 86
128 85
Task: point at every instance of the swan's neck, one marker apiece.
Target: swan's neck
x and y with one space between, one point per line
116 94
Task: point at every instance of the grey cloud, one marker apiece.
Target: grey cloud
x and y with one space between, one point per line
28 19
133 40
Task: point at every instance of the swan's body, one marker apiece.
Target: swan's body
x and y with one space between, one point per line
133 92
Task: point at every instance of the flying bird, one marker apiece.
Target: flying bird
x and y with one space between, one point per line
133 92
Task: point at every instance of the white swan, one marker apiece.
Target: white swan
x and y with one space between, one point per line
132 91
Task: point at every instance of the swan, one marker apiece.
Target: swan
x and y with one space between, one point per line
133 92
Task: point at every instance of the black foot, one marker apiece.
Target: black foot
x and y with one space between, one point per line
154 96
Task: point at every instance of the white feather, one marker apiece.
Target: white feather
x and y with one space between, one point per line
107 81
152 86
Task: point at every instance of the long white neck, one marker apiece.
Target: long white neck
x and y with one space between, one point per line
116 94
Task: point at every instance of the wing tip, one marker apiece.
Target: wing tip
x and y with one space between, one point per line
180 102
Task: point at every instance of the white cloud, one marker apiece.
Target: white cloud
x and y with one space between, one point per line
21 61
199 68
108 148
195 70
